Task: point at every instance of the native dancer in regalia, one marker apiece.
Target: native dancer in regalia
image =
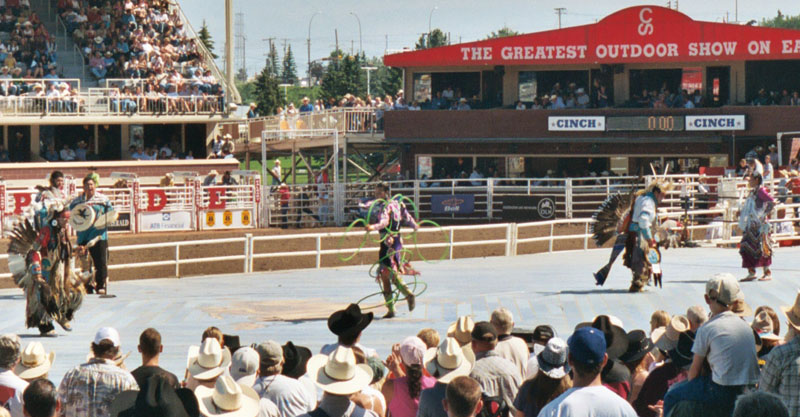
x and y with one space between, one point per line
39 258
393 261
756 245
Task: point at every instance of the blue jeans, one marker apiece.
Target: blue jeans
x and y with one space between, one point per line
703 390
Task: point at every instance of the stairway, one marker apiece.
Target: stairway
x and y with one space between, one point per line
70 62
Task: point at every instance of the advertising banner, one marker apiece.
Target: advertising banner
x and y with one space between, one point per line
122 224
576 123
165 221
525 208
227 219
453 204
719 122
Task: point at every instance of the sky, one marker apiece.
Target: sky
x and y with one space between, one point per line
396 24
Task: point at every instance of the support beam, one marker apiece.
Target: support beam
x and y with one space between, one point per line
359 167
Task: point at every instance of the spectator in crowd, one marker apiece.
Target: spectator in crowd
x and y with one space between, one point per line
252 113
781 372
445 362
727 343
552 379
151 348
498 376
34 362
287 393
402 393
638 360
615 375
226 397
673 370
347 325
756 404
67 154
211 361
244 366
541 335
51 154
277 175
463 105
429 336
157 398
510 347
696 315
306 106
227 146
295 359
461 330
338 375
463 397
89 389
587 357
211 178
227 179
80 152
41 399
11 385
659 318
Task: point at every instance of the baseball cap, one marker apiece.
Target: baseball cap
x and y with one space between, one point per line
484 331
270 353
412 350
724 289
587 346
244 365
543 333
107 333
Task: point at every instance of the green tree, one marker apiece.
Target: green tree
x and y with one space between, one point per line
436 38
504 31
342 77
389 80
241 75
782 21
317 71
205 36
273 65
266 93
289 71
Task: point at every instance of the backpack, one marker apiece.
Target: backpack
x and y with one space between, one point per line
493 407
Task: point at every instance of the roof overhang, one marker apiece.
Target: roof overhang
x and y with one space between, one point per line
640 34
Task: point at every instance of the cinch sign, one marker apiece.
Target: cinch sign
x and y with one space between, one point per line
576 123
708 123
641 34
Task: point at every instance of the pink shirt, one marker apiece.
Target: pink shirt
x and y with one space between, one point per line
402 404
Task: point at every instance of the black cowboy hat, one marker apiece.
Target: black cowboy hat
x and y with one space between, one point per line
638 346
294 360
616 338
682 354
157 398
349 321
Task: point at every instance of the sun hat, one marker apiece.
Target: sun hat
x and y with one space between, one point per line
349 321
244 366
587 346
461 329
724 289
793 313
412 350
270 353
211 360
449 360
681 355
34 361
615 336
666 337
338 372
213 172
484 332
639 344
294 360
552 360
157 398
82 217
762 324
228 399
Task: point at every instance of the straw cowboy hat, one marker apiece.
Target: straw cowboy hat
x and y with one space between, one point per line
338 372
461 329
34 361
227 399
449 360
793 313
666 337
212 359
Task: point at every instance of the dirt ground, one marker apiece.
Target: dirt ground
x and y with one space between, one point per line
355 238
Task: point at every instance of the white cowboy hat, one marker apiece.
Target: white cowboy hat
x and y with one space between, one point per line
102 220
338 372
34 361
449 360
82 217
227 399
461 329
212 359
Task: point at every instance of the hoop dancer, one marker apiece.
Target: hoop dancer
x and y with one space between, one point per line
756 245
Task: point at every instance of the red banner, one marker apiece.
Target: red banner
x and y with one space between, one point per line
641 34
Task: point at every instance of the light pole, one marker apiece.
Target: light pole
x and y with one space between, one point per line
308 74
368 69
360 45
430 16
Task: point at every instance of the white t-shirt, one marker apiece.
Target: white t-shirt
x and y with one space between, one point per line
594 401
728 343
11 388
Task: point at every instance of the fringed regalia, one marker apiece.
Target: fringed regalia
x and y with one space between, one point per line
756 244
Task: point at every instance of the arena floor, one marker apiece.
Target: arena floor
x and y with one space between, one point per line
554 288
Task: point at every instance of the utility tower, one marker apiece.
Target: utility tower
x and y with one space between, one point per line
240 48
559 12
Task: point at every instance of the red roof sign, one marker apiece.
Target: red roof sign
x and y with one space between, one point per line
634 35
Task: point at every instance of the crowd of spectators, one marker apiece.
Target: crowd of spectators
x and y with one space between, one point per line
707 361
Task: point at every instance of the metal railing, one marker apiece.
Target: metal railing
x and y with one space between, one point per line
103 103
281 127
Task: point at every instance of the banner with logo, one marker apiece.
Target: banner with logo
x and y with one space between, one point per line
122 224
525 208
227 219
452 204
165 221
715 123
576 123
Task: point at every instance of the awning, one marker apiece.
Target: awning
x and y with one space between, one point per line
640 34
